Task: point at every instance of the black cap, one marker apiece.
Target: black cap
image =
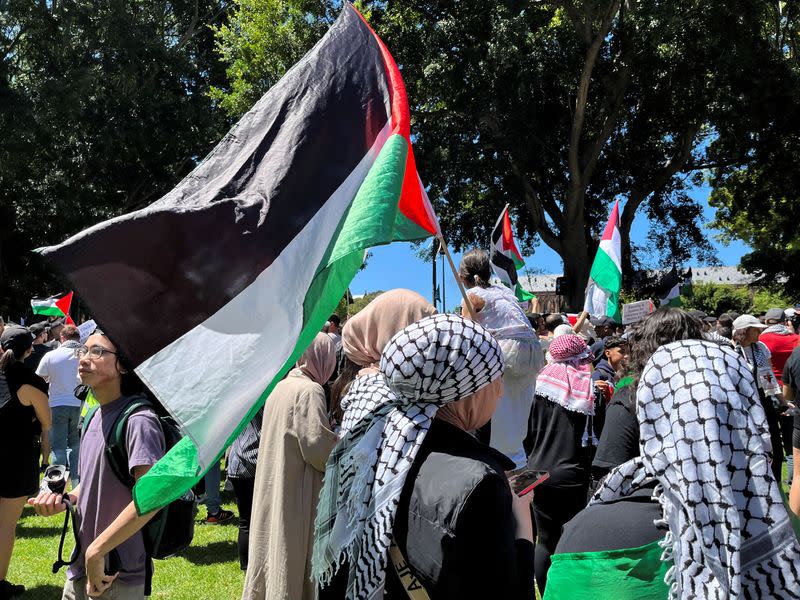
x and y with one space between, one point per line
710 319
16 338
39 328
603 321
698 314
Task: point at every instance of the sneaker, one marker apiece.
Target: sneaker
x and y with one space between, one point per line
221 516
9 590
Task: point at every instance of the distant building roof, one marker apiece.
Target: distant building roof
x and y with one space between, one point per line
727 275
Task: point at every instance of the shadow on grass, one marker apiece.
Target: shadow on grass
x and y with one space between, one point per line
42 592
215 552
34 531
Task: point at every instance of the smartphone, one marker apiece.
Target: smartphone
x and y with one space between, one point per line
527 480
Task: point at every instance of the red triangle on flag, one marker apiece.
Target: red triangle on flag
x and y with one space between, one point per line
63 305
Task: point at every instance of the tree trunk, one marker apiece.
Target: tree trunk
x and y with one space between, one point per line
577 264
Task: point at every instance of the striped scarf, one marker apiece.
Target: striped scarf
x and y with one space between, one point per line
705 440
437 360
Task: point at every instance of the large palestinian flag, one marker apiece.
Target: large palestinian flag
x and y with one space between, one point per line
605 278
54 306
216 289
505 259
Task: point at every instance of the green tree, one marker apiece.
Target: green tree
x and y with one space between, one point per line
104 106
555 107
758 199
361 303
775 297
716 298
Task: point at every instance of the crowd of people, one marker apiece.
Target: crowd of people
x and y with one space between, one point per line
385 463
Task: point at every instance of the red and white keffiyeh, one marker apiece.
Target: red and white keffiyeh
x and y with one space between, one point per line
568 379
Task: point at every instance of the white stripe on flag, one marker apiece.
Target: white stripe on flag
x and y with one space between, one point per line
249 339
596 300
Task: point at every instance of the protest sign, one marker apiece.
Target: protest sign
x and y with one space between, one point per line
636 311
86 329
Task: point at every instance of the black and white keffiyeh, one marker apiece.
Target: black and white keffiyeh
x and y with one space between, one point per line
704 438
432 362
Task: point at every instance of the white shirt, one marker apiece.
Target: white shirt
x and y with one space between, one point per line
60 368
502 315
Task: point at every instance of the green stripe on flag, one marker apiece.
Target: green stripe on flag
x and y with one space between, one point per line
522 294
605 273
48 311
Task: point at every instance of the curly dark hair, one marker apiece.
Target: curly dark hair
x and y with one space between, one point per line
662 327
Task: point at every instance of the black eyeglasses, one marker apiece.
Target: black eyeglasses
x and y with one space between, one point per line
94 352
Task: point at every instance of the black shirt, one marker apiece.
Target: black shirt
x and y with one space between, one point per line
614 525
18 423
554 443
791 373
38 351
619 441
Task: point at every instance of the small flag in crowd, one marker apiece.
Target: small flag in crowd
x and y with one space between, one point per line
605 278
54 306
216 289
670 289
505 258
673 285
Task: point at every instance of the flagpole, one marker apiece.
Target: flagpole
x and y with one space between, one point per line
470 309
434 254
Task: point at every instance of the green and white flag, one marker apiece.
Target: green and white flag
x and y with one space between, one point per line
605 278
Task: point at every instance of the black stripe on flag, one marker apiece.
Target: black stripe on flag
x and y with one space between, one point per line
152 275
497 258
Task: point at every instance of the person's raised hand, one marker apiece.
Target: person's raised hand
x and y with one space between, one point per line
47 504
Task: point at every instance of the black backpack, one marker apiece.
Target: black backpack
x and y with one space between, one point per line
172 529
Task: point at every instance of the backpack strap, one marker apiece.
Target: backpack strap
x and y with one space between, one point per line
87 418
116 442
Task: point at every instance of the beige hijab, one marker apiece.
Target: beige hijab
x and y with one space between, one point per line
365 335
319 360
475 410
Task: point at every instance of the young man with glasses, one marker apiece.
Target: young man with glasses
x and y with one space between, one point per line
112 549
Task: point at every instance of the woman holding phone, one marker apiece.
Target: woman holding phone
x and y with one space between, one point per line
409 472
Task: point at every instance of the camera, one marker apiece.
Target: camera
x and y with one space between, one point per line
55 479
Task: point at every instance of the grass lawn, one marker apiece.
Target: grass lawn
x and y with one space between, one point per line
208 570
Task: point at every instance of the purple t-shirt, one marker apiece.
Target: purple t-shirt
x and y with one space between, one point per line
102 496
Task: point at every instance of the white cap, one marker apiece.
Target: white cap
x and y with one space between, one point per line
745 321
790 312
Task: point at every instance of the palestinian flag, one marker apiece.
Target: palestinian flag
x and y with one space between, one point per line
54 306
505 258
605 278
216 289
670 289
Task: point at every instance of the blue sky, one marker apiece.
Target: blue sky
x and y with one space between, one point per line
397 265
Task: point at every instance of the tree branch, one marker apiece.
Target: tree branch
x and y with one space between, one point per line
576 182
661 178
535 206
